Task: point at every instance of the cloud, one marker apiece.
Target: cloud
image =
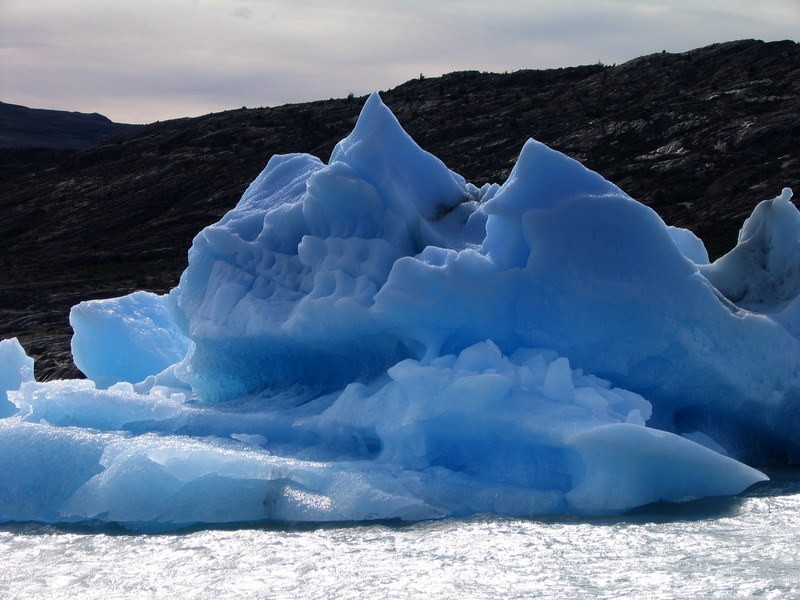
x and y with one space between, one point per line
142 60
241 12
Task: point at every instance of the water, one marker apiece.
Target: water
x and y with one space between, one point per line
744 547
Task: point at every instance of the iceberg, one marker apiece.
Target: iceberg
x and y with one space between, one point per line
16 367
376 338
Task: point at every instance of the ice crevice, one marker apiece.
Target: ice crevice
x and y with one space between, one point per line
376 338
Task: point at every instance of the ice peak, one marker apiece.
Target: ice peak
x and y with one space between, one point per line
374 121
543 178
407 176
760 272
777 214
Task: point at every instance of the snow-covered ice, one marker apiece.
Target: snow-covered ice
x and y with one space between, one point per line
376 338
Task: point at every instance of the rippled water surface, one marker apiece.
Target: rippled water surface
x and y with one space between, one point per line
749 547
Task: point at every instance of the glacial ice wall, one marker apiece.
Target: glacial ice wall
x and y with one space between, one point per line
376 338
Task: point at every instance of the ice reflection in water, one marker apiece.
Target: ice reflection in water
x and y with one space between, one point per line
710 549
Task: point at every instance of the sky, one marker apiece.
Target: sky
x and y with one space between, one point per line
138 61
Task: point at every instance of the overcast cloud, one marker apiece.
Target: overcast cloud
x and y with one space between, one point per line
144 60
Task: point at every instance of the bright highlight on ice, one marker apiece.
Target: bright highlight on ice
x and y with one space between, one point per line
375 338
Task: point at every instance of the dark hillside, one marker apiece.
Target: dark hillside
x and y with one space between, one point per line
700 136
22 127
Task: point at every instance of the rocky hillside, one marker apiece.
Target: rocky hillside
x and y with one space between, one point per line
700 136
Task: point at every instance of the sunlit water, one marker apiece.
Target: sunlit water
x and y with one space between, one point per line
747 547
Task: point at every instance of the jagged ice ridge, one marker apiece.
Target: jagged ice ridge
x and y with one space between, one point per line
376 338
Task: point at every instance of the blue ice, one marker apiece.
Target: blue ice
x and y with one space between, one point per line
376 338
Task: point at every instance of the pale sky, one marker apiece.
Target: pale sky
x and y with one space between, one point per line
144 60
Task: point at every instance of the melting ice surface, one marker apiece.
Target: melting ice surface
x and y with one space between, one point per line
375 338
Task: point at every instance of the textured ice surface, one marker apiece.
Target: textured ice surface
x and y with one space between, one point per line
459 435
375 338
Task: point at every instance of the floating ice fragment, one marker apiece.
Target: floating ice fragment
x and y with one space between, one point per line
16 367
125 339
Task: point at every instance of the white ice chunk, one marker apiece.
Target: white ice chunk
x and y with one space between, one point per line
558 381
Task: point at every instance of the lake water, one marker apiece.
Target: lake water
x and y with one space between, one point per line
739 548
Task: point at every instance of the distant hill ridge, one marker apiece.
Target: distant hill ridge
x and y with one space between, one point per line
700 136
23 127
